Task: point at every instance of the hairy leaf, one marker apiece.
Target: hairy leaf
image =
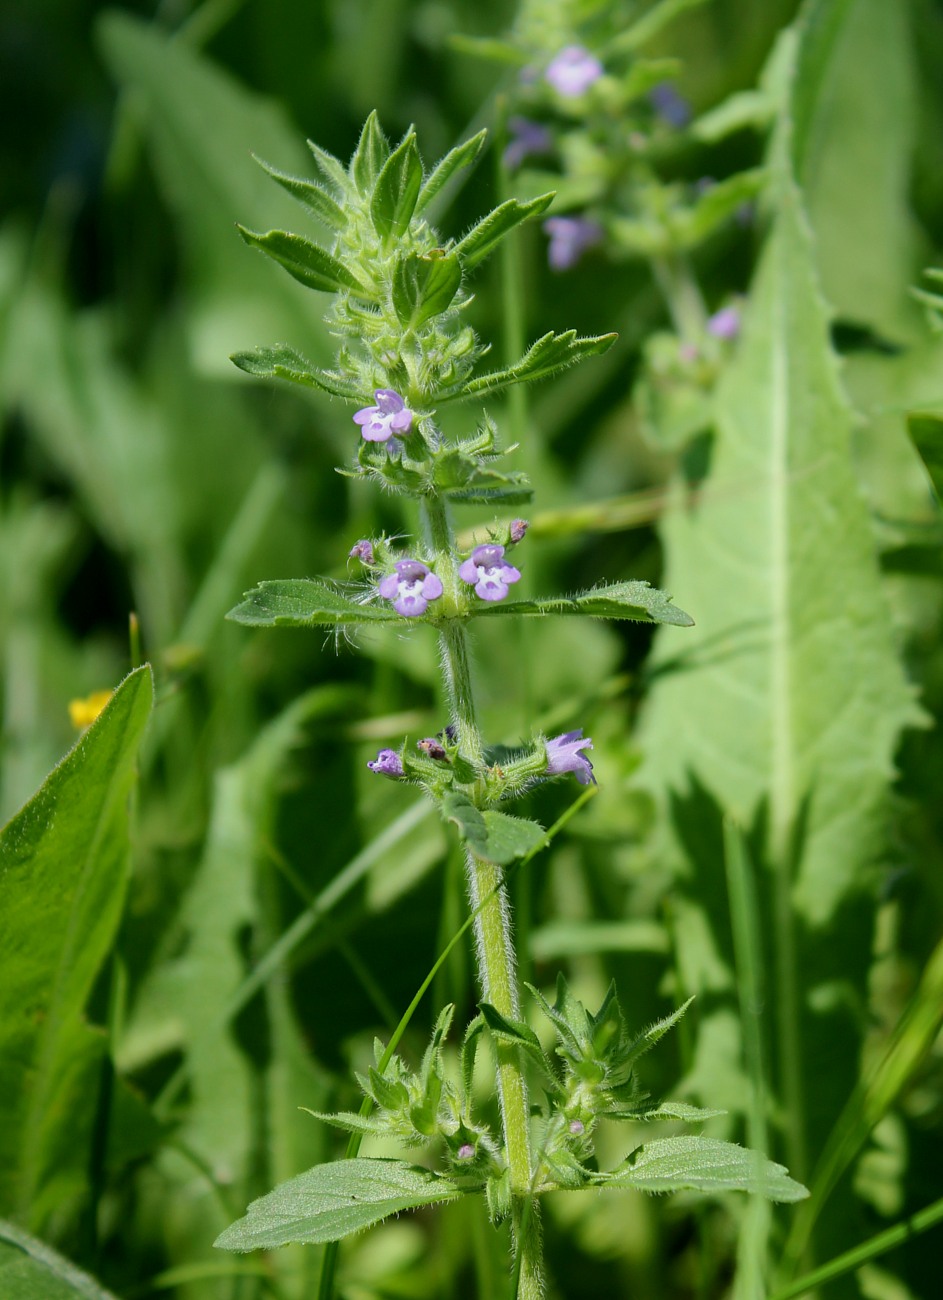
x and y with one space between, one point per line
548 356
425 285
334 1200
463 155
620 600
397 190
306 602
31 1270
283 362
371 153
305 262
314 197
483 238
703 1165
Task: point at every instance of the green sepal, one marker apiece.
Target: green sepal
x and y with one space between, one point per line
313 196
400 475
306 602
498 1196
483 238
515 1032
465 771
389 1094
371 153
691 226
463 155
620 600
334 1200
424 286
704 1165
548 356
283 362
307 263
397 190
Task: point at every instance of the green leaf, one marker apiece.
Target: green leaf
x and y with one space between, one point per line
306 602
716 206
31 1270
397 190
331 168
461 476
370 155
515 1032
621 600
305 262
702 1165
548 356
463 155
483 238
682 1110
926 433
649 25
283 362
853 150
334 1200
424 286
459 809
63 875
510 838
314 197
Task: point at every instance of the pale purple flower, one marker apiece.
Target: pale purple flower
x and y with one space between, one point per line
465 1152
569 239
387 763
529 138
517 529
563 755
410 587
573 71
487 571
724 324
362 551
669 105
577 1127
390 416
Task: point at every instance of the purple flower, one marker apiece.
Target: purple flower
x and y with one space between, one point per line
573 71
465 1152
362 551
563 755
724 324
487 571
517 529
410 587
577 1127
432 747
529 138
569 238
387 763
669 105
379 423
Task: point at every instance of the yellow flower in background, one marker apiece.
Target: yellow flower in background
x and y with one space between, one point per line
82 713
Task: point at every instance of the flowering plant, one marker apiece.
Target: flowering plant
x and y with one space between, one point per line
399 294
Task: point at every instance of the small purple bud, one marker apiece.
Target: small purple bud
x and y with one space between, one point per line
529 138
573 71
390 416
517 530
669 105
724 324
486 570
563 755
432 747
410 587
387 763
362 551
577 1127
569 239
465 1152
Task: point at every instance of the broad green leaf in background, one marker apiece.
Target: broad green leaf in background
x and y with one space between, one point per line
31 1270
855 122
926 432
203 128
334 1200
63 873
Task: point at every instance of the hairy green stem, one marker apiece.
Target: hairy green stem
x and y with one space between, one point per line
493 936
